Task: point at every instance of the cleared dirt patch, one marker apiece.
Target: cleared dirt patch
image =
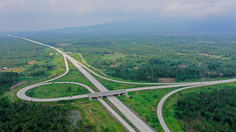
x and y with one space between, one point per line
31 62
167 80
14 70
16 85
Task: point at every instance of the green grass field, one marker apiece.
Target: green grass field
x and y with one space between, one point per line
144 103
56 90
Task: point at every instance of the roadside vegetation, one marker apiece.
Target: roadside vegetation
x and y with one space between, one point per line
144 103
209 108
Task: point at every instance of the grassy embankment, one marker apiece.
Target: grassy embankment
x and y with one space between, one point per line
169 107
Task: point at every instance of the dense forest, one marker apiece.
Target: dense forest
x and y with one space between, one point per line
150 57
7 79
209 111
21 116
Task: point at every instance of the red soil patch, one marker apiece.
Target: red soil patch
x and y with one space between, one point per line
31 62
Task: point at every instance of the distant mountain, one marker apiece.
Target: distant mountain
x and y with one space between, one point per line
161 25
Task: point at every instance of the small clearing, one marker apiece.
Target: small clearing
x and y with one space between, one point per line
31 62
16 85
167 80
17 69
212 56
74 116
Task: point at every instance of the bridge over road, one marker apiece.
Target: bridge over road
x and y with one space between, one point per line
108 93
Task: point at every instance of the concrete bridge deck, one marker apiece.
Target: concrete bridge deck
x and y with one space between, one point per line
108 93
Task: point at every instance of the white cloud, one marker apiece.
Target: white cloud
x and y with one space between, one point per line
173 8
200 9
111 10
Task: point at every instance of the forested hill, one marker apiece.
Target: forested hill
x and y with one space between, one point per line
209 111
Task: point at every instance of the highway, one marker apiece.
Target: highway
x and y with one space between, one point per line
130 115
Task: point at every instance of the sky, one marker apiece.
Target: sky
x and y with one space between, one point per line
39 15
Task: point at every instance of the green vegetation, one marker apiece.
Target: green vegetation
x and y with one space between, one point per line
194 123
98 120
209 111
15 52
131 57
74 75
151 57
56 90
148 58
36 69
116 86
95 115
21 116
145 104
15 55
112 56
7 79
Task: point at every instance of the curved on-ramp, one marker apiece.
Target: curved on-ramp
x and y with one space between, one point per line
21 93
160 105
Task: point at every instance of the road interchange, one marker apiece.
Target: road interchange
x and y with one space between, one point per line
128 113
